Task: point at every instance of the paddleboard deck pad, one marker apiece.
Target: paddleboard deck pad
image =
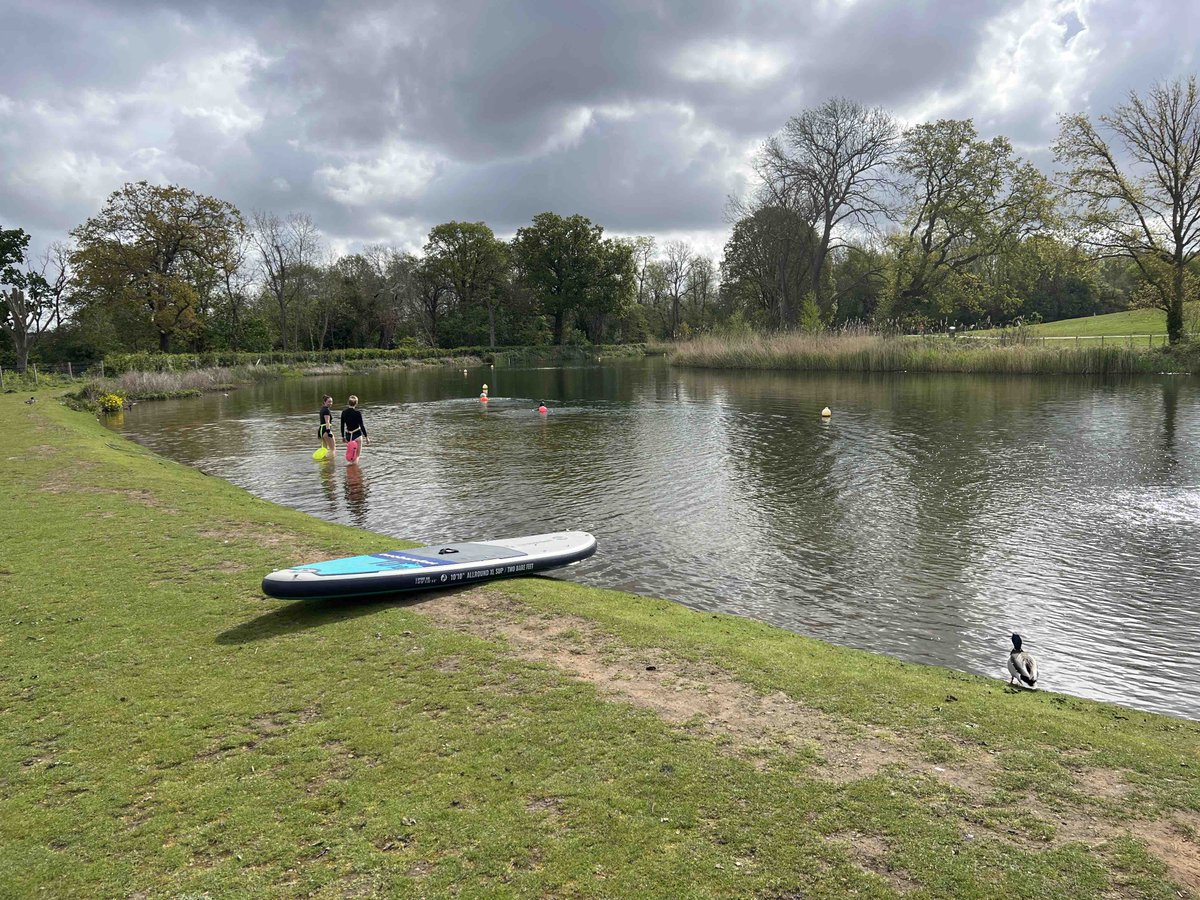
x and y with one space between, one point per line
426 568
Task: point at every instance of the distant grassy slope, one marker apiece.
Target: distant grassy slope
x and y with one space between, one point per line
1132 321
167 731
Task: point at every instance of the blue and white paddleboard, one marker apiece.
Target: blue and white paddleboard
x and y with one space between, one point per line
426 568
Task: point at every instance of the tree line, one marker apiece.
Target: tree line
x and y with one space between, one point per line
851 218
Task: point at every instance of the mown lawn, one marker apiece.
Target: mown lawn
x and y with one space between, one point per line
166 730
1131 321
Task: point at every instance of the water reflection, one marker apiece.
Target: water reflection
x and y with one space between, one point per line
356 493
930 518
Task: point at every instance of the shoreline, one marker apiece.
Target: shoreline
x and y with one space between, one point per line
929 354
521 737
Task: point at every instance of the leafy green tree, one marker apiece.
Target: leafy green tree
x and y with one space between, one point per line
1140 197
1053 280
358 293
22 305
859 276
561 261
153 248
473 262
966 201
767 263
614 290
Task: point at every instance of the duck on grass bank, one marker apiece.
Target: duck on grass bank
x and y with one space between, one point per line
1021 666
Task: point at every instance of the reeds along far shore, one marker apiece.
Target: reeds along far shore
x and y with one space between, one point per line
875 353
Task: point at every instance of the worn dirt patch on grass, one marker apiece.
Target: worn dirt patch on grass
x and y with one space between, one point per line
699 697
870 852
705 699
1176 841
241 532
62 481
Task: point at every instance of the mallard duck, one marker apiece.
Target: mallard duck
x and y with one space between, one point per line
1021 666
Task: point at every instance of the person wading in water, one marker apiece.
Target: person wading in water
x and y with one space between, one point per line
325 430
354 429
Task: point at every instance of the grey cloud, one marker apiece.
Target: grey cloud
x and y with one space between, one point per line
489 90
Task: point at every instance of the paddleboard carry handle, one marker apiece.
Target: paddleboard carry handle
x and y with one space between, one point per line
446 550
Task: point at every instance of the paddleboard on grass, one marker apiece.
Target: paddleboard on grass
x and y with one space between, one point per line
426 568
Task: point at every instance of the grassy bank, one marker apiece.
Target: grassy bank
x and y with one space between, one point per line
873 353
165 730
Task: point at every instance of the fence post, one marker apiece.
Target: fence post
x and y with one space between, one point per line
70 374
102 368
35 377
1 378
1101 340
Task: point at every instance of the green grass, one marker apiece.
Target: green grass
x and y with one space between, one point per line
1131 321
1140 322
165 730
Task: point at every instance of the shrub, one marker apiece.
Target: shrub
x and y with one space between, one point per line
112 402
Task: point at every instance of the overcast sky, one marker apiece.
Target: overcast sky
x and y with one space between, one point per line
380 120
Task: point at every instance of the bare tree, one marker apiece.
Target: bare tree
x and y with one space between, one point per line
1141 199
701 286
829 164
400 303
677 267
234 279
55 269
286 251
643 254
433 292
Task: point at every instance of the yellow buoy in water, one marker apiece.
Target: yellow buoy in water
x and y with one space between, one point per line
825 413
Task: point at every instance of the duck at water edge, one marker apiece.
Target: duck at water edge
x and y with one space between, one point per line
1021 666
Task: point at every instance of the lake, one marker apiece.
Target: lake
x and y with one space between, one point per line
929 518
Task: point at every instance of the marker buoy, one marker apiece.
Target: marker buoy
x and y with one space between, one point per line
826 413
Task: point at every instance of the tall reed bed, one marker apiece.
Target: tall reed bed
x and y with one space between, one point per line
876 353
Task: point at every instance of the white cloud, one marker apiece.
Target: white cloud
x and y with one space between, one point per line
730 62
394 172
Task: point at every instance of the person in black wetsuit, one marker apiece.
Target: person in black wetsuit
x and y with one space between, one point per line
325 428
353 426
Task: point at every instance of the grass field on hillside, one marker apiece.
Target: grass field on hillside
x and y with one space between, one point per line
166 730
1131 321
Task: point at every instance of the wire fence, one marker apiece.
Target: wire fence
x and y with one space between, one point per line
1130 341
36 372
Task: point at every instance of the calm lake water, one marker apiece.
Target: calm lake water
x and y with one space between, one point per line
929 519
